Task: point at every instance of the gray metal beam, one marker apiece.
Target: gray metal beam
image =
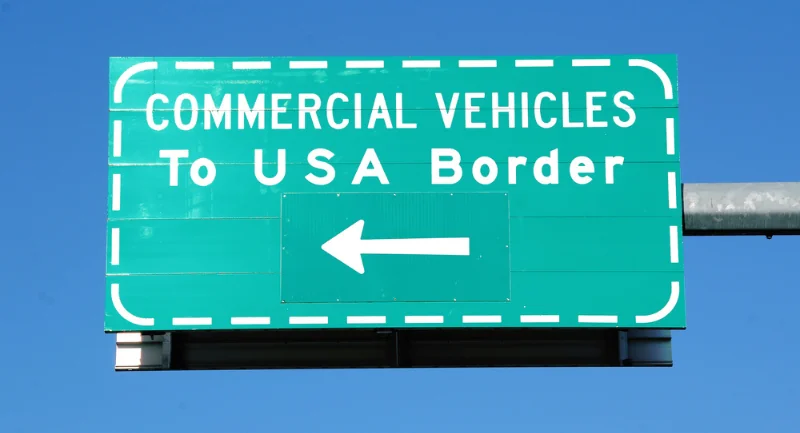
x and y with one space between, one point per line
137 351
398 348
731 209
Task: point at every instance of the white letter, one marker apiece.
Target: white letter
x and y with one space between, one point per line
329 110
437 165
476 170
497 109
538 168
565 109
257 112
305 109
513 163
173 156
591 108
537 110
626 107
223 112
357 110
399 110
150 121
316 163
276 109
470 108
379 111
211 172
611 161
524 105
370 158
578 166
259 169
177 111
447 117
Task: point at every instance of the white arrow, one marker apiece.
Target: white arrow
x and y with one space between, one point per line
347 246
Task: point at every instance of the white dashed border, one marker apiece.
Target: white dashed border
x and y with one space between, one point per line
481 319
114 260
308 64
117 139
308 320
539 318
380 64
424 319
366 320
477 63
579 63
116 186
197 66
255 65
250 321
534 63
382 320
591 318
115 299
408 63
364 64
191 321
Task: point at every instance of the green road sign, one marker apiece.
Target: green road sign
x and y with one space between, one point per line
394 192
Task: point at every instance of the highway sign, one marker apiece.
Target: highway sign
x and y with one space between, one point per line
393 192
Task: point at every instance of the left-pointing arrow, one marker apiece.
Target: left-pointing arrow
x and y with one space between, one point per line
347 246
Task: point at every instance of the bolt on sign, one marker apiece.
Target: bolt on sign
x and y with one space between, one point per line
281 193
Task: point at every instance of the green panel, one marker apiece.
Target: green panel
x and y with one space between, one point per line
638 190
400 145
592 244
234 252
190 246
481 275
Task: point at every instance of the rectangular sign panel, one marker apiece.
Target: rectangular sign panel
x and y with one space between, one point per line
282 193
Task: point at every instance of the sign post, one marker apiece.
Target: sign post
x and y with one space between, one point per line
298 193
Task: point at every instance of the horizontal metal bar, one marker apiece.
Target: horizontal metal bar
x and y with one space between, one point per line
730 209
397 348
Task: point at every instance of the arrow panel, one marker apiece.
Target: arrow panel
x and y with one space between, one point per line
380 226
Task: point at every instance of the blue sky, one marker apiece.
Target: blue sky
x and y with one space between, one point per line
735 368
